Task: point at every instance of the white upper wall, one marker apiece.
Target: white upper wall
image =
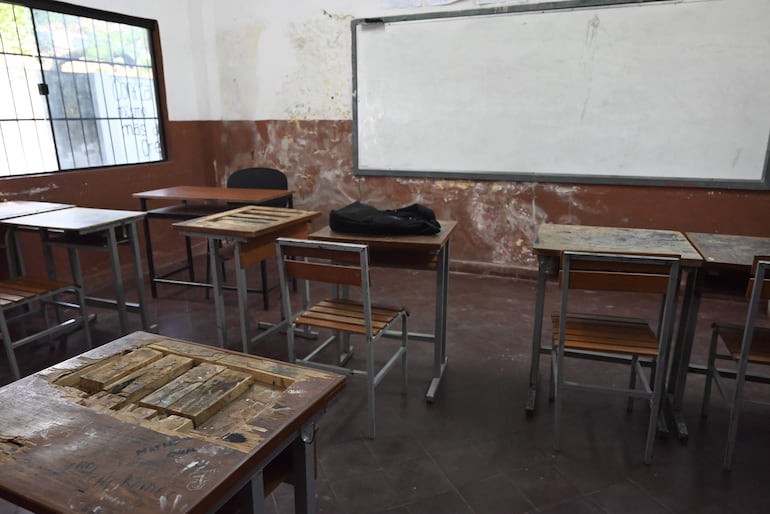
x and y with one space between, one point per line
271 59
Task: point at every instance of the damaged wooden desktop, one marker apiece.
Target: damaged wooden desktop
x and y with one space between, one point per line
150 424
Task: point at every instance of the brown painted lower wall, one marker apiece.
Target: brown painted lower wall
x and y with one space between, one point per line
111 188
497 220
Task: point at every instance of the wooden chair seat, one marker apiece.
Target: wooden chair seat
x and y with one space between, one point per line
732 335
626 341
25 289
22 293
348 316
744 344
345 267
607 334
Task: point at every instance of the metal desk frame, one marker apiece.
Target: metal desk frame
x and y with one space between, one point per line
77 228
419 253
251 243
194 202
611 239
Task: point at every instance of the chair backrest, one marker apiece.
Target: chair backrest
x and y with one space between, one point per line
633 273
619 272
759 272
340 264
758 291
261 178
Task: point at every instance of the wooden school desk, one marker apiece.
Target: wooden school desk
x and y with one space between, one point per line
193 202
98 229
720 252
553 239
413 252
12 209
251 232
149 424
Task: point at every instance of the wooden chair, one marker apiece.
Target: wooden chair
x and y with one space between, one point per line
344 266
615 339
22 298
744 345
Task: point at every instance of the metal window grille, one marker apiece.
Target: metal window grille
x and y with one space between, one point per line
76 91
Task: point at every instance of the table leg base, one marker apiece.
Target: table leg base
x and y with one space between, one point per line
431 394
531 400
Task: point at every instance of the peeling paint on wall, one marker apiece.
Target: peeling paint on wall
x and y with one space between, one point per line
319 87
27 193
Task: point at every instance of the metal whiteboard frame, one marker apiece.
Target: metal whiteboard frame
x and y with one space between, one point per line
762 183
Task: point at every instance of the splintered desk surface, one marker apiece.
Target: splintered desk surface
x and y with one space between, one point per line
246 222
147 422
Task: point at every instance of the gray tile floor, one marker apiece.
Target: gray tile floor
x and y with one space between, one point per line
474 450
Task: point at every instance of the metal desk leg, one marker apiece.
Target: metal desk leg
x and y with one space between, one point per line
440 358
139 277
117 275
534 367
303 470
148 248
243 305
680 360
219 299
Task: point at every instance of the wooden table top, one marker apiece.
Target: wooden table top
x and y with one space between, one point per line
14 208
427 243
204 193
729 251
246 222
552 239
149 424
83 220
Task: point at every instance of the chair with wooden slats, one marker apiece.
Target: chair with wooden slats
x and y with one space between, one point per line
23 297
611 339
344 266
747 346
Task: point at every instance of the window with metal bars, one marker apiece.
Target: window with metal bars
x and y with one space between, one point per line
78 89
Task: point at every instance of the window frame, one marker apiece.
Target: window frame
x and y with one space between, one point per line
154 49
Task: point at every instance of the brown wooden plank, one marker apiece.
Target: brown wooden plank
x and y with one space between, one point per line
117 369
149 378
180 386
608 336
135 411
71 378
346 256
272 377
263 247
322 272
216 392
103 401
197 352
174 423
618 281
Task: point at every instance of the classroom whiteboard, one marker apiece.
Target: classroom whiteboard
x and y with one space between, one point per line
657 92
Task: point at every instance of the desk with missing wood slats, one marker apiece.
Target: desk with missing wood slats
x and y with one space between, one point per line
193 202
252 231
149 424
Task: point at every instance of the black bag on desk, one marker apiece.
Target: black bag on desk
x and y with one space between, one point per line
359 218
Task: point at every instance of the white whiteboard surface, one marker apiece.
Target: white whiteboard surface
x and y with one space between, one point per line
659 92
